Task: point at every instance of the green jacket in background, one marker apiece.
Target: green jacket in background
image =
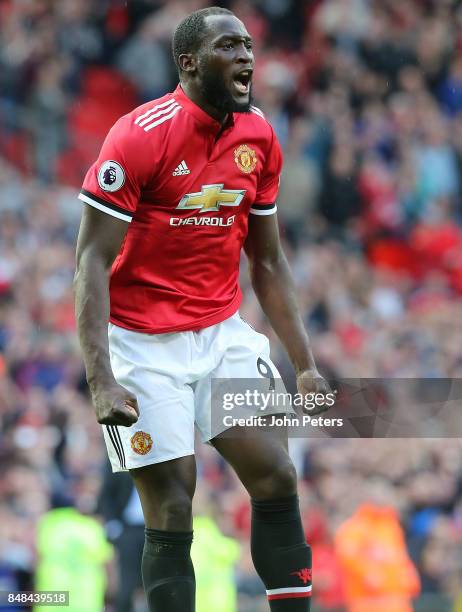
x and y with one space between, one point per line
72 550
214 556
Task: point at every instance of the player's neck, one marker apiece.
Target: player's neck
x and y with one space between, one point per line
195 96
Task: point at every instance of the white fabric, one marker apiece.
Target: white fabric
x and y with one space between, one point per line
306 589
269 211
170 374
106 209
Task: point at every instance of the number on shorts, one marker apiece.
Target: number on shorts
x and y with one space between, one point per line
266 372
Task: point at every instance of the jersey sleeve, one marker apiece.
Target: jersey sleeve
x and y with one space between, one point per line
113 183
268 186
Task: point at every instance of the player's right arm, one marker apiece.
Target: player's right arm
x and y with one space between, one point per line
99 241
111 193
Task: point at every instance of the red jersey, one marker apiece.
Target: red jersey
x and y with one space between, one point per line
187 189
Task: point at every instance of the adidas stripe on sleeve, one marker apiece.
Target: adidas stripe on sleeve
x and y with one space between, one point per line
113 184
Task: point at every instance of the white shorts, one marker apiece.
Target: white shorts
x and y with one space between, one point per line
170 375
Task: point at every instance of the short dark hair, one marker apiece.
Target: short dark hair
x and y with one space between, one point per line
189 34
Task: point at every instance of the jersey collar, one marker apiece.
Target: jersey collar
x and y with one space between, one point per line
198 113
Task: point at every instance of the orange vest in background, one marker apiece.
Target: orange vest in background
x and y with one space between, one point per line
378 574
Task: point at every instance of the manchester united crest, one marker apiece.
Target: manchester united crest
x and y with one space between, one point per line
141 443
245 158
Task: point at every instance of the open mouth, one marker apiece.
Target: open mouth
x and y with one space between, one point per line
242 81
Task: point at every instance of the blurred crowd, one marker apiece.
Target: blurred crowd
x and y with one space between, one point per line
366 99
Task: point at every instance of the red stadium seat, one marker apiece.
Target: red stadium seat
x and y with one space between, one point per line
14 149
105 84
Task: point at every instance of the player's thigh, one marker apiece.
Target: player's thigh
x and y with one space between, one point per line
259 455
260 459
166 490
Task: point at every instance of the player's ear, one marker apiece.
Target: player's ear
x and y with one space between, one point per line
187 62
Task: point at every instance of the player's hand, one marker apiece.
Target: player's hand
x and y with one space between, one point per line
114 405
311 382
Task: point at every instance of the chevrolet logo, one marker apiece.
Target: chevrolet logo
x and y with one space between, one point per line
211 197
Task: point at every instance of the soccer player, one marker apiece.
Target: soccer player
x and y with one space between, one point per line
182 183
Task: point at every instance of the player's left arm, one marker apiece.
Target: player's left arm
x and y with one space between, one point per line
274 287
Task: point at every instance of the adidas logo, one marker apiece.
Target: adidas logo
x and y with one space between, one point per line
181 169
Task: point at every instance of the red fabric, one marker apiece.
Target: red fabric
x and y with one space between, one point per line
434 244
178 267
15 150
109 85
69 168
430 248
90 116
4 285
315 525
351 336
456 276
242 519
117 19
106 96
394 254
289 596
328 576
378 194
439 248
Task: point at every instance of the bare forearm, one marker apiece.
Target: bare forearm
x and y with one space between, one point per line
100 239
275 290
91 287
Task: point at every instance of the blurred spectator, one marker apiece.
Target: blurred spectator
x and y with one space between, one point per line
47 118
299 183
340 199
214 556
330 589
145 60
72 551
371 549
